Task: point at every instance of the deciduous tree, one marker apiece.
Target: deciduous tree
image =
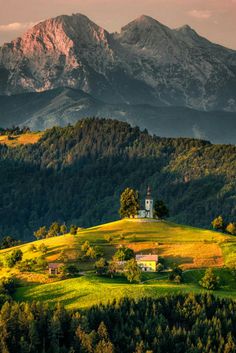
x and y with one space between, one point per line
129 203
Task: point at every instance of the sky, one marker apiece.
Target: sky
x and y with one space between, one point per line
213 19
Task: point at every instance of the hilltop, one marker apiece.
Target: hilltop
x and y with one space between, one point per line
192 248
76 175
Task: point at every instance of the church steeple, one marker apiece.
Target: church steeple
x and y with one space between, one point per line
149 204
148 193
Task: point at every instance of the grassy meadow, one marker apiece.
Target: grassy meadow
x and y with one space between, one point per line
192 248
23 139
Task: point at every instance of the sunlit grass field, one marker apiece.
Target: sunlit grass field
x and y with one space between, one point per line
193 249
23 139
187 246
89 290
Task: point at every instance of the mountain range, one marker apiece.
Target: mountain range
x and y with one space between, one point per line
139 75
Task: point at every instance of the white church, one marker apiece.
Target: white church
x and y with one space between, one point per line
148 211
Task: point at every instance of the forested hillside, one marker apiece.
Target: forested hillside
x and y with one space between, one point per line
76 174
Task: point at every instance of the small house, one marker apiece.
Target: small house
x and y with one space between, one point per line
147 263
54 268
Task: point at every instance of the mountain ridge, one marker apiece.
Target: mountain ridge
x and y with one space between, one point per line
146 62
63 106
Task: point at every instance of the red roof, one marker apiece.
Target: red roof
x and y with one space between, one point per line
149 257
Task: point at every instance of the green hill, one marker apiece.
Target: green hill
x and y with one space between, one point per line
192 248
76 174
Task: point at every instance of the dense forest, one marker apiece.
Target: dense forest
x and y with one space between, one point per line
172 324
76 175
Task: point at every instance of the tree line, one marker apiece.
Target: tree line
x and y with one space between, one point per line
14 130
181 323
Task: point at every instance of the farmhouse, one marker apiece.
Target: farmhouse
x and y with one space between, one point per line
54 268
148 211
148 263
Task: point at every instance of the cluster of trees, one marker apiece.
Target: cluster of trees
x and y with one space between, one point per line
219 224
7 289
54 230
76 175
130 205
31 265
8 242
123 262
14 130
15 258
181 323
89 252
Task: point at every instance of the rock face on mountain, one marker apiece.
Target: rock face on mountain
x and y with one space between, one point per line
146 63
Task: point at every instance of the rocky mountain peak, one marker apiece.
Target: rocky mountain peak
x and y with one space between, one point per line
146 62
146 32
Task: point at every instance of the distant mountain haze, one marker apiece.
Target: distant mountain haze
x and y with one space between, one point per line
62 106
127 75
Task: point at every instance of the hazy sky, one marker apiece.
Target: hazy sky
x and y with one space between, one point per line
214 19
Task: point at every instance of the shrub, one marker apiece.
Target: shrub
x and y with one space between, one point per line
27 265
231 228
122 237
73 229
41 263
160 268
108 238
101 266
14 257
43 248
98 252
176 275
218 223
70 270
32 248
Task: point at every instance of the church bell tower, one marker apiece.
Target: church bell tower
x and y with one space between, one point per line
149 204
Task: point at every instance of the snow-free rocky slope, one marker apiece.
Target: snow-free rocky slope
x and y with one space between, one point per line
146 63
